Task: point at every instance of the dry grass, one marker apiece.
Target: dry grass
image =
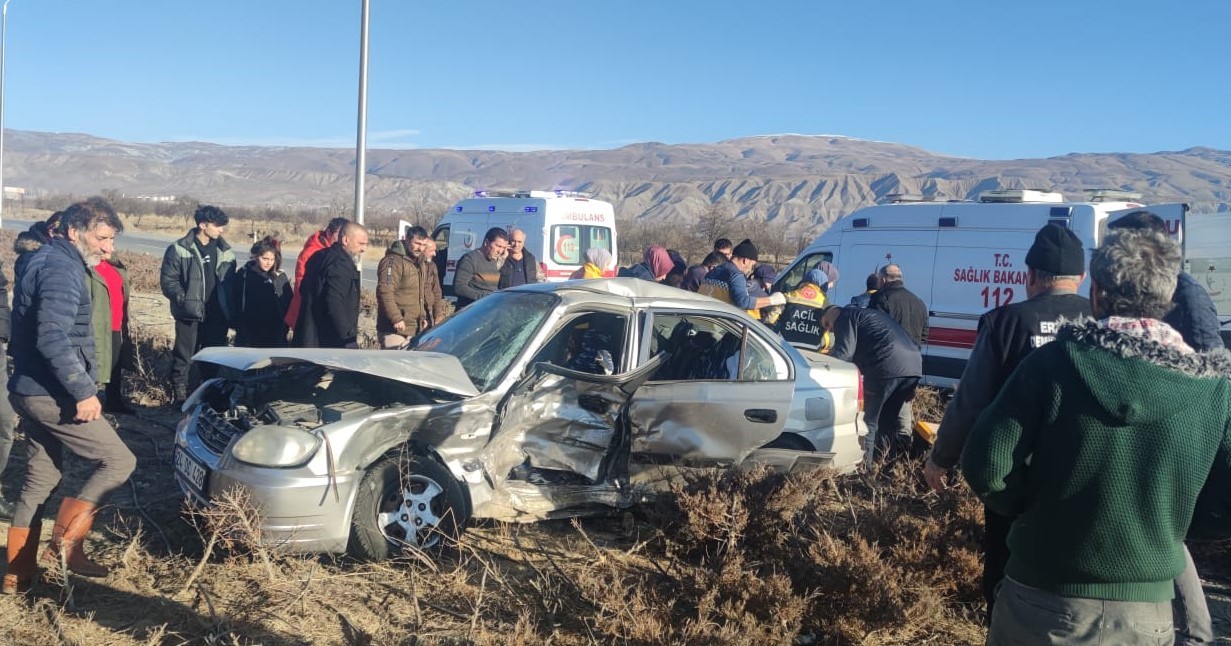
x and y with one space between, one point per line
734 557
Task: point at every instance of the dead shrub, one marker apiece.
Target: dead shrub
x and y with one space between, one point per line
929 404
143 271
147 384
763 556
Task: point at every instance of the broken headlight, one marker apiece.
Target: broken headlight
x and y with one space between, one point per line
275 446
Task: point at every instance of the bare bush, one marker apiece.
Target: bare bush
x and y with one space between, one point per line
837 558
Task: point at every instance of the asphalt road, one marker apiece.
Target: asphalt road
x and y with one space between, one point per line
156 243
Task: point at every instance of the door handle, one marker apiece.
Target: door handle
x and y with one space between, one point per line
762 415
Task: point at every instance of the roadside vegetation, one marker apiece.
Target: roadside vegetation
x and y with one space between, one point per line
727 558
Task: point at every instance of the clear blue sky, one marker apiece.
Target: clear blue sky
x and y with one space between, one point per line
994 80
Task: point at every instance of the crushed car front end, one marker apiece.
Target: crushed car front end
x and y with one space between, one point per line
291 437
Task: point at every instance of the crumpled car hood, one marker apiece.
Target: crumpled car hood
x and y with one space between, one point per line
428 369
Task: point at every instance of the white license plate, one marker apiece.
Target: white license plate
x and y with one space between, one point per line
190 469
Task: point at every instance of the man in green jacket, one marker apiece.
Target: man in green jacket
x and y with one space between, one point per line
109 318
196 270
1097 450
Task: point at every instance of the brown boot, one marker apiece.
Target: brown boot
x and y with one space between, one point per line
23 545
72 525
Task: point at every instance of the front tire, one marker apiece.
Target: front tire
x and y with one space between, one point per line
405 502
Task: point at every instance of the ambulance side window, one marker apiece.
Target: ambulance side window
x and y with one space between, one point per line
791 280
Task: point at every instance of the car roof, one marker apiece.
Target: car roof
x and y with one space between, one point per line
633 292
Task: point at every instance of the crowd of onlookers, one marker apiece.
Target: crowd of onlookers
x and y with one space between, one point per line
1097 430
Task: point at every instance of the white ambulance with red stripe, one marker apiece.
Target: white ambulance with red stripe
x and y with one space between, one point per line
962 258
559 225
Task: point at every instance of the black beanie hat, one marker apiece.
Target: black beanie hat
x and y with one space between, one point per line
745 249
1057 251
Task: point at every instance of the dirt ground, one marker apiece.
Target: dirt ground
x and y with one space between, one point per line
729 559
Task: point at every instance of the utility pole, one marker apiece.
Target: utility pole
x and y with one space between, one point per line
361 138
4 19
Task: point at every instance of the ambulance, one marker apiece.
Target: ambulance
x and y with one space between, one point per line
1207 256
962 258
559 225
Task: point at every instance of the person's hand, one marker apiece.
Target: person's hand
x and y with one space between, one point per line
89 409
423 325
399 326
777 298
935 475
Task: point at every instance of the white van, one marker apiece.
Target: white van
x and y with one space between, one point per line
1207 256
961 258
560 226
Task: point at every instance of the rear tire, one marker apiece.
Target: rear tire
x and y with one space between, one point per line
405 502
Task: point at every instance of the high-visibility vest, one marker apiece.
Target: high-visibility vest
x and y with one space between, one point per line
799 321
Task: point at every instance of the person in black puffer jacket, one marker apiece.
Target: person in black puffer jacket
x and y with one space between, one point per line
1193 314
54 389
260 298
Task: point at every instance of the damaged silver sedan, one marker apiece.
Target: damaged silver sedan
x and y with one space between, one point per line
536 402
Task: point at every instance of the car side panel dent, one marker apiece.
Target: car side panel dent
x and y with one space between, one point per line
704 422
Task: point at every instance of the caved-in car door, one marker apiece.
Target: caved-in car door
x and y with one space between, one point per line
723 390
561 430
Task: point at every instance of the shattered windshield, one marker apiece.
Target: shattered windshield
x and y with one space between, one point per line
488 335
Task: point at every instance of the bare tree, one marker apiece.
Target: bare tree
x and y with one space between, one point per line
717 221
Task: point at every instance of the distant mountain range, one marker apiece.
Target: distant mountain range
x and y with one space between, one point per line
804 181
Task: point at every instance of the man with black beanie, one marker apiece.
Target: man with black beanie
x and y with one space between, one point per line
728 282
1055 267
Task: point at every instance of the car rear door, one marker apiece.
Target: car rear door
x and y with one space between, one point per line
723 390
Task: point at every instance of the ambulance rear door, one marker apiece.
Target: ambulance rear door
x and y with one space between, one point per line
460 235
572 226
